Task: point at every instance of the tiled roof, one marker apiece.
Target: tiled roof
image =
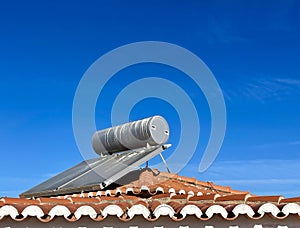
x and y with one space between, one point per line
152 194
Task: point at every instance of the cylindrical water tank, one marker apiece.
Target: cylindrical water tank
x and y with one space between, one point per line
151 131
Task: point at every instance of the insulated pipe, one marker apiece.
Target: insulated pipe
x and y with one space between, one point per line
151 131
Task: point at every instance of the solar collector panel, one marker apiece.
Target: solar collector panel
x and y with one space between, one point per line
94 174
145 138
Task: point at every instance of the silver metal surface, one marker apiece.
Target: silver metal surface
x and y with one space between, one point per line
94 174
142 140
152 131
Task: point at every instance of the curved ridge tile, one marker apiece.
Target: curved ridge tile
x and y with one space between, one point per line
181 192
107 192
191 193
138 209
172 190
32 210
8 210
268 208
59 210
129 190
243 209
118 191
112 210
145 188
216 209
92 194
82 195
159 189
291 208
163 209
191 210
85 210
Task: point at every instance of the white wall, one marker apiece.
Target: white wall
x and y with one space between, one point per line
165 222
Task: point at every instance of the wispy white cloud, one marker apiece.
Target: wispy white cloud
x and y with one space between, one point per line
277 144
293 82
263 89
294 143
258 181
262 177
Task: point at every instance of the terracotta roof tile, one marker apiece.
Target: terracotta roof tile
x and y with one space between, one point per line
162 198
82 200
46 208
110 199
204 198
153 205
124 205
141 202
180 198
152 182
9 201
151 195
233 198
264 199
187 179
290 200
45 200
176 206
130 199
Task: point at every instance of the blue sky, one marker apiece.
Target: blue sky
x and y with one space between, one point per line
251 47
